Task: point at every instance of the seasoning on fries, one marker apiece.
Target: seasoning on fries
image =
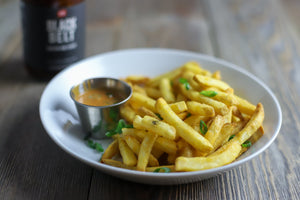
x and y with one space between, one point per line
187 119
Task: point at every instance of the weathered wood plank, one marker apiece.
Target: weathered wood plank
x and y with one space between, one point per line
255 35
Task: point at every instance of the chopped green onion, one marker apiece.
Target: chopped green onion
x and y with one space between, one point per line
247 144
159 116
95 145
165 169
203 127
118 129
231 137
208 93
185 83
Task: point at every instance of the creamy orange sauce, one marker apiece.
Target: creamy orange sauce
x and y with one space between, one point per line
96 97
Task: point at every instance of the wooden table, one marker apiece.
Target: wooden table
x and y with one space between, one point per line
261 36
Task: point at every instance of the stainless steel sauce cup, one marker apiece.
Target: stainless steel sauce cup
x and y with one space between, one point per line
97 120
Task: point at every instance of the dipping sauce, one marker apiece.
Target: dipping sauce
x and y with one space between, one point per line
97 97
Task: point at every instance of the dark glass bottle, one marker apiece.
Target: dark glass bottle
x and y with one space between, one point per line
53 35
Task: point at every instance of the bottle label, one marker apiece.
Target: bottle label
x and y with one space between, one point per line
53 37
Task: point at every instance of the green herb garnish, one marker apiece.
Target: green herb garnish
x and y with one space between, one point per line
165 169
159 116
203 127
95 145
247 144
208 93
231 137
118 129
185 83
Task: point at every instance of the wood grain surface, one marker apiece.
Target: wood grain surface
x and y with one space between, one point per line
261 36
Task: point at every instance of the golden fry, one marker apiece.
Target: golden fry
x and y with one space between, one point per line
156 126
222 157
129 159
166 90
196 108
145 151
183 130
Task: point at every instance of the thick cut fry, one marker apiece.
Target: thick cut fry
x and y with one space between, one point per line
219 107
129 159
217 75
178 107
223 157
228 116
127 113
151 124
154 82
143 111
111 150
137 79
196 108
206 81
145 151
183 130
138 89
116 163
184 149
194 121
166 90
153 92
166 145
226 98
252 126
138 100
135 145
161 144
196 68
245 106
228 130
214 129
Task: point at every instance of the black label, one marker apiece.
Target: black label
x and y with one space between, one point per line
53 37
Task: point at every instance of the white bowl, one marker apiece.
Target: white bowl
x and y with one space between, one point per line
60 119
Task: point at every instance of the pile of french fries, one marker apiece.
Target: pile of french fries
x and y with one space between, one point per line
188 119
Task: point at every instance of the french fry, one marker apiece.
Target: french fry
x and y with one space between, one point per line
166 145
111 150
178 124
219 107
245 106
214 129
135 145
127 113
129 159
166 90
138 100
223 157
135 79
153 92
183 130
145 151
151 124
143 111
184 149
206 81
196 108
252 126
178 107
194 121
116 163
196 68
